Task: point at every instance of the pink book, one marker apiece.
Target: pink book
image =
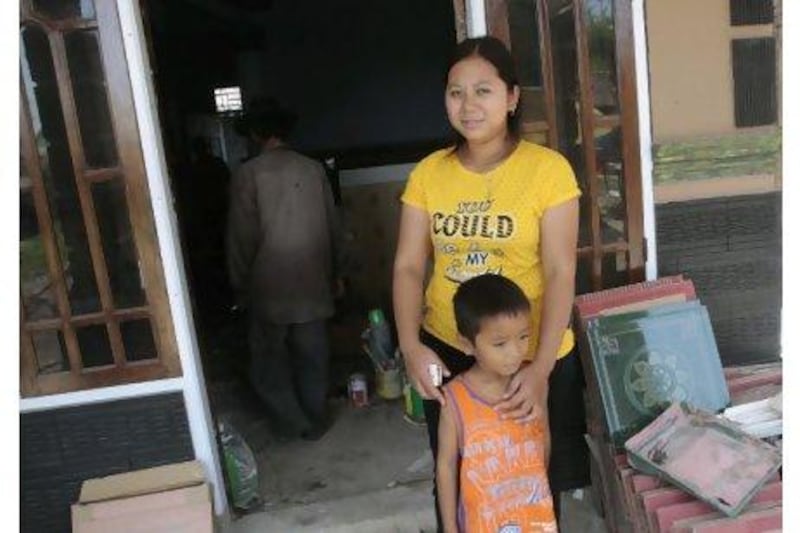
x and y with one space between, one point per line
738 371
713 460
756 521
621 460
592 304
617 291
643 482
651 500
755 394
623 475
640 483
665 517
744 383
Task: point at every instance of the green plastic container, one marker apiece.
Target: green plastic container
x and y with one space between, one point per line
413 403
376 316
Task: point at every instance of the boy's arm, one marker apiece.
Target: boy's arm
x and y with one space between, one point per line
447 470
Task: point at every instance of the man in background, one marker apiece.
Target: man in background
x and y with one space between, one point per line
282 241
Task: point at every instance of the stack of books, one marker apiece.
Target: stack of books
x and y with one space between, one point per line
756 400
750 383
653 503
643 347
646 347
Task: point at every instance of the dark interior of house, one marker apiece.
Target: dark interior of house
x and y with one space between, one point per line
354 73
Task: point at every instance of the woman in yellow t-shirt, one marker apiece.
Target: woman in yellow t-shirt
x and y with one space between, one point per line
493 203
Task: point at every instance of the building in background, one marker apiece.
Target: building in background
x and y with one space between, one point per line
715 108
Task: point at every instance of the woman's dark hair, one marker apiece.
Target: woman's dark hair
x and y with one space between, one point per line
495 52
266 118
486 296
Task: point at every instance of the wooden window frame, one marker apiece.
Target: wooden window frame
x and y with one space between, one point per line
130 166
633 246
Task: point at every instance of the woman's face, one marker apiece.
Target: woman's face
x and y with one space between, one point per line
478 100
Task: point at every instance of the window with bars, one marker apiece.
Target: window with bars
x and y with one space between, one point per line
748 12
754 81
93 302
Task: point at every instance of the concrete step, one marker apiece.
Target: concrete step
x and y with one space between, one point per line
401 509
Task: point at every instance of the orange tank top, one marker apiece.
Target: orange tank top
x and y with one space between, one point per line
503 484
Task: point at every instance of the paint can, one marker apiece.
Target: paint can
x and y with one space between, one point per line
357 390
388 383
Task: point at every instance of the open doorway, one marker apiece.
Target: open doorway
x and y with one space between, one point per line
354 72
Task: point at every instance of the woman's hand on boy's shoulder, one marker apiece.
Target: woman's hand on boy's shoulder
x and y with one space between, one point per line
525 390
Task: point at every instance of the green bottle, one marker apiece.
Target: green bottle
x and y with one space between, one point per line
380 335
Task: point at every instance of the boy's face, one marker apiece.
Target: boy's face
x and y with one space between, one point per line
501 343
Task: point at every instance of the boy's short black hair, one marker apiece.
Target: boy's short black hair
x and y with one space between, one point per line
486 296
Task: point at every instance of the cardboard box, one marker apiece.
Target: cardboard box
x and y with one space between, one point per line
171 498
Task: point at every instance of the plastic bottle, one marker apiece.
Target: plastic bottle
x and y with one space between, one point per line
380 335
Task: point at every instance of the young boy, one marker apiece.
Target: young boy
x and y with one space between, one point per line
491 474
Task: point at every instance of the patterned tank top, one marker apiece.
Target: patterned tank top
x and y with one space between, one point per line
503 484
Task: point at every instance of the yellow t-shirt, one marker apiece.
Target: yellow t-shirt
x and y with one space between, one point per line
488 223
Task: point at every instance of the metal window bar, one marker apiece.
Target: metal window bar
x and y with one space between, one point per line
754 81
749 12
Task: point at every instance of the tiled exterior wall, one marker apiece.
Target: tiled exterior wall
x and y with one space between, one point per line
731 249
61 448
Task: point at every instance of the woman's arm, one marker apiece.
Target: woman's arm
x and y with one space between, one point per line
447 471
559 236
413 250
559 258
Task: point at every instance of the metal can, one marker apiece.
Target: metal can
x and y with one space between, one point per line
357 390
435 372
